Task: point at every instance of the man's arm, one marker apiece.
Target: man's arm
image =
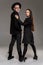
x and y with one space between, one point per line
15 22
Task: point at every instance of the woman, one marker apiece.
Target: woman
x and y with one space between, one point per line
28 34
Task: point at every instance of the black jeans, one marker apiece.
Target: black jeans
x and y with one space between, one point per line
18 39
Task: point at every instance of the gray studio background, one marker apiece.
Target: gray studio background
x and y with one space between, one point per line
5 10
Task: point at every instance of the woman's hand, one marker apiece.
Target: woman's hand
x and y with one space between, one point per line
16 16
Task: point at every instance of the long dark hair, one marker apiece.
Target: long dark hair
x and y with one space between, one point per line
31 16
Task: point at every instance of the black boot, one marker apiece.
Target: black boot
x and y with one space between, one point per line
25 58
35 57
20 58
10 56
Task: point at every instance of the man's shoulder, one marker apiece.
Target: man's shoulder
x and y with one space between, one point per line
14 13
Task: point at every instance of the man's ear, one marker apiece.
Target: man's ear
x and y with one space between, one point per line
13 8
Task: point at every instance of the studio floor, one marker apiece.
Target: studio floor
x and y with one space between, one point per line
29 61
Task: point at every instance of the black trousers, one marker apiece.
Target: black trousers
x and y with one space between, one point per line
14 38
26 47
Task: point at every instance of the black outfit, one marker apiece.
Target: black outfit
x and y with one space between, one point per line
15 31
28 36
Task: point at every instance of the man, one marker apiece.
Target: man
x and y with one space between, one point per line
15 31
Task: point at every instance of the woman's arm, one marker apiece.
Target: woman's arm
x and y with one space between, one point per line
27 22
18 18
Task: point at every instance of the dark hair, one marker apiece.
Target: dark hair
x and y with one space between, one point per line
31 16
17 3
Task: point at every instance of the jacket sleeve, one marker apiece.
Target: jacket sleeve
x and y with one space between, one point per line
21 23
15 22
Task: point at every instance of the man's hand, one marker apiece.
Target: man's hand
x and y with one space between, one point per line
17 17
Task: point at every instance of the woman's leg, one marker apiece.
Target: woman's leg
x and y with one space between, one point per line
33 47
34 50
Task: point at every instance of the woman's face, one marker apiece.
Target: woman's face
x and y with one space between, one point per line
27 13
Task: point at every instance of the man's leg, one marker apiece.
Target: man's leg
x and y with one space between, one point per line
11 48
19 46
24 51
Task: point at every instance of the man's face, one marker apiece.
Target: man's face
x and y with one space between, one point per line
17 8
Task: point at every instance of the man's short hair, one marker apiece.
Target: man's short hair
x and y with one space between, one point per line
17 3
